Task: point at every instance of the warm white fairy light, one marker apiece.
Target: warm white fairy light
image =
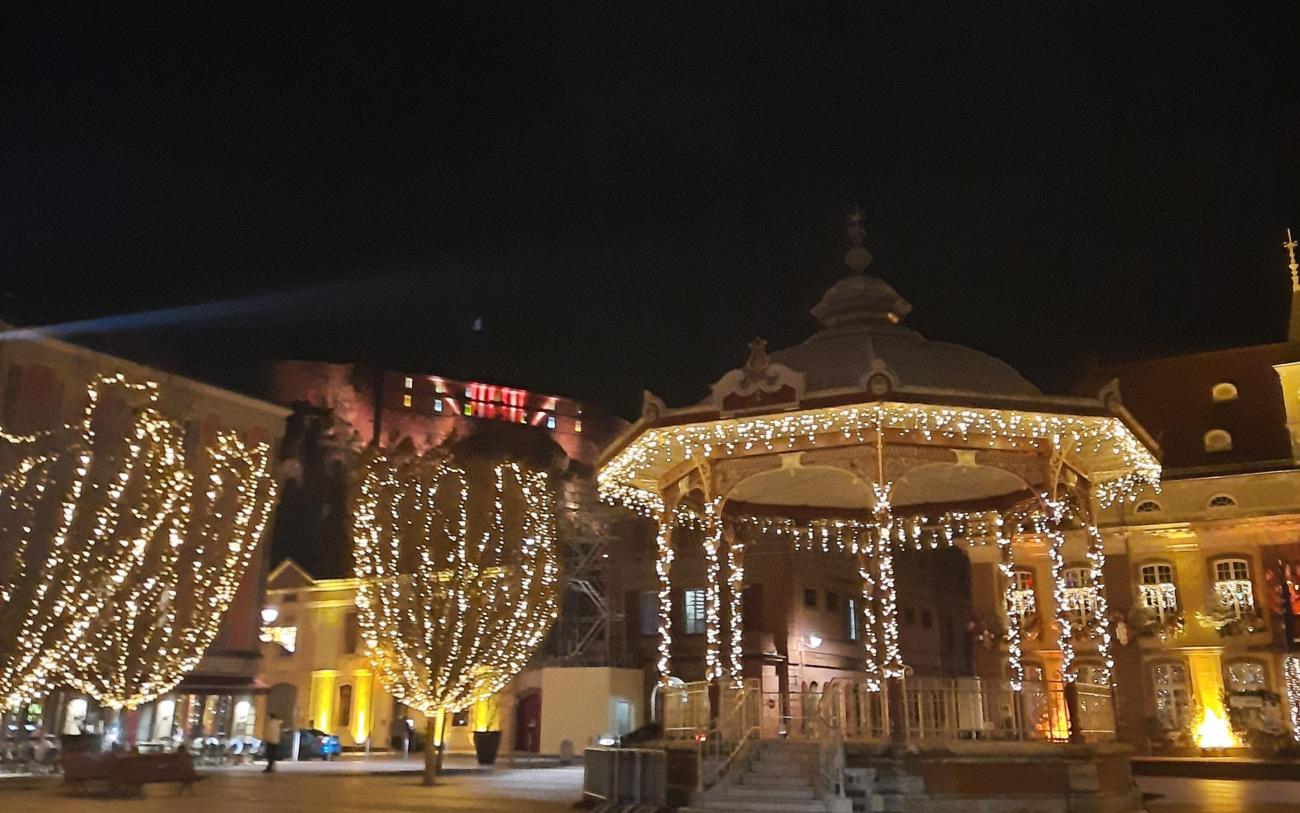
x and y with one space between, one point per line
1007 565
1101 618
663 567
870 643
1049 525
1291 676
892 665
735 588
101 611
1122 464
713 591
450 612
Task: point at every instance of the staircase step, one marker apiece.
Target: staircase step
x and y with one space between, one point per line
760 793
774 767
767 780
759 806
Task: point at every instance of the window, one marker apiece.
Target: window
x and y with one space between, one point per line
832 601
1223 391
350 630
550 421
1034 672
406 401
577 427
1156 588
1090 672
1221 501
344 714
1232 585
851 618
460 719
810 597
1080 595
1022 594
649 613
693 606
1218 440
409 383
437 405
1148 507
1173 694
1247 676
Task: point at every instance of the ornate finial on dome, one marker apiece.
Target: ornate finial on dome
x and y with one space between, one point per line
857 258
1290 246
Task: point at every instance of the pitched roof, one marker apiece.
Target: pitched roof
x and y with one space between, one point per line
1172 398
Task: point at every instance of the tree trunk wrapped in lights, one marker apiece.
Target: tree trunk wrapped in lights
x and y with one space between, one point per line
115 573
457 589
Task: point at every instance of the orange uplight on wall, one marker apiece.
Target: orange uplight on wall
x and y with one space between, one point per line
1214 731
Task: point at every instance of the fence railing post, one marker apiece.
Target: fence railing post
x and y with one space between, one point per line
1073 712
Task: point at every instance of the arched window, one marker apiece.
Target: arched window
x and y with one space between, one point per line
1081 597
343 717
1232 585
1173 694
1223 391
1218 440
1221 501
1148 507
1156 588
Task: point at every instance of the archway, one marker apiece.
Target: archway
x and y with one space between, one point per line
528 723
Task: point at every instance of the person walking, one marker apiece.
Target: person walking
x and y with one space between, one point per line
271 737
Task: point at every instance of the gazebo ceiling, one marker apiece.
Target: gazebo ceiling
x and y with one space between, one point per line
812 486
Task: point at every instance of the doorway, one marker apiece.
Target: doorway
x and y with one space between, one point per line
528 723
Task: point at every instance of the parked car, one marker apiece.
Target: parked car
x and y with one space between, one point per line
312 744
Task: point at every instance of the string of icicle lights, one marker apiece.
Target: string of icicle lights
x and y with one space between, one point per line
451 606
122 569
1129 466
873 542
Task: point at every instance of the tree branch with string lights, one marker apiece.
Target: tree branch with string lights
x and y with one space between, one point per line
117 570
459 578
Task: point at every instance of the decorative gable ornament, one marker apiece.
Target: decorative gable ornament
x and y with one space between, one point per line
760 382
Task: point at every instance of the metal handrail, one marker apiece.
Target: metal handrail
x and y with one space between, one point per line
739 718
830 739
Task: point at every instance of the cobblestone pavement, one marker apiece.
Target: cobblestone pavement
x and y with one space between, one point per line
540 790
1180 795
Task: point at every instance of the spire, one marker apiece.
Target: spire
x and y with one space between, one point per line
857 258
1290 245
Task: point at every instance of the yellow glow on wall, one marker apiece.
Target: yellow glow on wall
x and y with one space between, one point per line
361 703
322 699
485 715
1212 730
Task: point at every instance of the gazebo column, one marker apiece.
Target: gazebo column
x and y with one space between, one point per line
713 596
1007 566
663 566
735 591
891 657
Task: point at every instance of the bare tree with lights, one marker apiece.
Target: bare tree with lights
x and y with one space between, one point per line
459 579
120 555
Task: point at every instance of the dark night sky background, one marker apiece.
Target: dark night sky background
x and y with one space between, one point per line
626 196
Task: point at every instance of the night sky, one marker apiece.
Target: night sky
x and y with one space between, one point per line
625 197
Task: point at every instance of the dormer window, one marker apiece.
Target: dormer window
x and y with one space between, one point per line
1218 440
1223 391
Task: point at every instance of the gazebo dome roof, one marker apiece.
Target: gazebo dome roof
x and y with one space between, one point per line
862 334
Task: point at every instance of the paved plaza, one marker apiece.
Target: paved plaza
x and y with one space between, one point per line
528 790
390 787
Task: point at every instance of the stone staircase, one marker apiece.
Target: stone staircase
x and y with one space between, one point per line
782 779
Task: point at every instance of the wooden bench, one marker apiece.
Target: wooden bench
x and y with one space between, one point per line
125 773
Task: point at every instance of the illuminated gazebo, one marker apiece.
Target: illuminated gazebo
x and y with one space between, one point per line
868 439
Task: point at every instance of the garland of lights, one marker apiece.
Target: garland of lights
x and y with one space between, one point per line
663 567
1049 526
1101 619
1007 565
451 611
870 644
666 446
712 611
735 594
1291 676
892 665
100 517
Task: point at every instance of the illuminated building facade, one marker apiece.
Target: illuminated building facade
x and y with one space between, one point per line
1210 610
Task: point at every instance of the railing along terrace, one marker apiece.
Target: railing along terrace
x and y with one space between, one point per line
977 709
686 712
